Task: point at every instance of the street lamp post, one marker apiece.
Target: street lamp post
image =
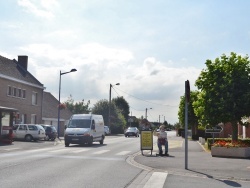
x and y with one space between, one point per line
110 86
146 115
160 118
59 100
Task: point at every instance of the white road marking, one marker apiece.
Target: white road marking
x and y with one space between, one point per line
80 150
156 180
10 149
123 153
60 150
101 152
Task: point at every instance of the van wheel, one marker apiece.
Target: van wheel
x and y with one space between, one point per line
66 144
101 141
28 138
90 142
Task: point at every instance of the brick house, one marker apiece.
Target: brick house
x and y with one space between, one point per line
227 131
20 90
50 112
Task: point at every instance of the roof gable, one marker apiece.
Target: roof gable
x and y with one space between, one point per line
11 68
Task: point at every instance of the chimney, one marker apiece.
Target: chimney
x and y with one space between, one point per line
23 61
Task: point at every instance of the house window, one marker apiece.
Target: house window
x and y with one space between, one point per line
33 118
34 98
14 92
19 92
9 90
24 93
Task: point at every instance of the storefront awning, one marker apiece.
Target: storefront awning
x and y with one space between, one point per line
7 109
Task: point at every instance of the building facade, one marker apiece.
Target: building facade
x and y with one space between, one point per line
20 90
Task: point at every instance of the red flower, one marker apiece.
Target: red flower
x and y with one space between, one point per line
62 106
229 144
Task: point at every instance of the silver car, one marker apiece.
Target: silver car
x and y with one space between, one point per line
106 130
132 131
28 132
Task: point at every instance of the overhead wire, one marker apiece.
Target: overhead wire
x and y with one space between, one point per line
146 100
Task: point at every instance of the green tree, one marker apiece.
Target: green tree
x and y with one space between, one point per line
192 118
117 120
123 106
225 91
77 107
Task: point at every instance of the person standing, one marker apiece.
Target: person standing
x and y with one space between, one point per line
162 140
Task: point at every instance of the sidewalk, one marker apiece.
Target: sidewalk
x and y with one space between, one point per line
200 162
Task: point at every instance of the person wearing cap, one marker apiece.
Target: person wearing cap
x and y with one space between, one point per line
162 140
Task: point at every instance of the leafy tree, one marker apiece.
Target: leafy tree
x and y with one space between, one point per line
192 118
177 125
123 106
225 91
116 118
78 107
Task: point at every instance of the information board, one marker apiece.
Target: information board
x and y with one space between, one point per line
146 140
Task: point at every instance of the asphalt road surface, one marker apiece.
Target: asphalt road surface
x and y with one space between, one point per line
51 164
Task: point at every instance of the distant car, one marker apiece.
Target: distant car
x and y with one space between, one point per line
132 131
50 131
106 130
28 132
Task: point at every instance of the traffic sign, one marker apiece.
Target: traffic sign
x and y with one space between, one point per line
215 129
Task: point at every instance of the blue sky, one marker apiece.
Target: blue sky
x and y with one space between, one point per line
150 47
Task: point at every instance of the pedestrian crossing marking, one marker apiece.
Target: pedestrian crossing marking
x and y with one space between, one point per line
10 149
101 152
156 180
80 150
123 153
60 150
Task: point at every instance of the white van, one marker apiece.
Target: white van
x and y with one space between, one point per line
84 129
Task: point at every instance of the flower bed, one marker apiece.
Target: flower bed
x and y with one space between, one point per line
234 152
227 148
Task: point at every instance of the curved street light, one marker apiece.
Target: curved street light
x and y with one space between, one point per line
59 100
146 114
110 86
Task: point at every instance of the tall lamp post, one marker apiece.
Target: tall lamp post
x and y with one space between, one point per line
146 115
110 86
59 100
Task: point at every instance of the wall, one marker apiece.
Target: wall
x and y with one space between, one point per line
24 105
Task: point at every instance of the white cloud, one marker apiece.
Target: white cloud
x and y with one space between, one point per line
44 10
146 47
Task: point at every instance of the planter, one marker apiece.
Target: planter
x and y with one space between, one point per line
233 152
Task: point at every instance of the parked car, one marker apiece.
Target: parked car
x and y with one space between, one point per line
106 130
132 131
28 132
50 131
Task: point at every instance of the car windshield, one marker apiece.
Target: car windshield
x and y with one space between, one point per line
132 128
79 123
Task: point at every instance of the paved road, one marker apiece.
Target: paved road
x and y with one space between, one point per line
48 165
